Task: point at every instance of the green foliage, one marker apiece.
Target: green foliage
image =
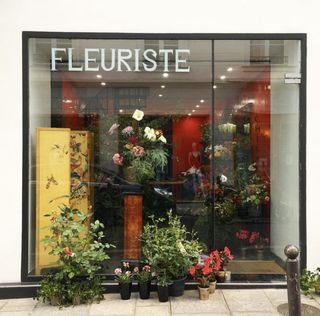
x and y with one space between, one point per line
79 247
168 247
143 170
157 157
163 280
224 210
144 275
310 282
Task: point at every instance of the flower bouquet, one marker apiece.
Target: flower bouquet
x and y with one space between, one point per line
141 150
259 242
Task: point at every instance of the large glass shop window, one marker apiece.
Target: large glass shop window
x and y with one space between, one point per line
128 129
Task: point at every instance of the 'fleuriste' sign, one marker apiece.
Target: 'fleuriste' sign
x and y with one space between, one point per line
95 59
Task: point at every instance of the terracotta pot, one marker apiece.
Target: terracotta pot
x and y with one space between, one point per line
54 300
221 276
76 300
212 287
204 293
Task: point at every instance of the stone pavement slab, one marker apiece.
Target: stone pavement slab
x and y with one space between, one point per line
251 302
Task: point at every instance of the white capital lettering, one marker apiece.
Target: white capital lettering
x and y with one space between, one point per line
87 59
54 58
136 59
166 53
152 61
178 61
122 59
70 66
103 59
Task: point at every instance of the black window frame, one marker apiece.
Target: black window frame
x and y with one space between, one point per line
26 35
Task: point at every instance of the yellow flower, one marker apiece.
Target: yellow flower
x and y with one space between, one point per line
128 146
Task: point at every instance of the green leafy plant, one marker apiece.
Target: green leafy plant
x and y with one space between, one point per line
310 282
224 210
144 275
78 244
163 280
168 247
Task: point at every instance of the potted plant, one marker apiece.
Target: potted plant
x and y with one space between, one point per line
214 262
310 282
254 193
225 257
144 277
259 243
163 282
243 235
78 244
201 273
170 249
124 277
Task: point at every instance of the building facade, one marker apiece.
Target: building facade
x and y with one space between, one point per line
231 116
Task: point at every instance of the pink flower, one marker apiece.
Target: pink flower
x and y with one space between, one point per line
254 236
146 268
138 151
117 271
127 130
117 159
136 270
128 273
267 198
126 264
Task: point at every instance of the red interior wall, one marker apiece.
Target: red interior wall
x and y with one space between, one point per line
260 123
185 131
71 118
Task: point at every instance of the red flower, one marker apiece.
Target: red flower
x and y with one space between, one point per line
243 234
206 270
254 236
192 271
133 140
67 251
227 252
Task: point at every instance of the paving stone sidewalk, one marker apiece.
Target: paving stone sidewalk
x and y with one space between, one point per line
223 302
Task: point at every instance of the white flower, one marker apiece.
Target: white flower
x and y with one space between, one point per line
138 115
223 178
113 128
150 134
182 249
163 139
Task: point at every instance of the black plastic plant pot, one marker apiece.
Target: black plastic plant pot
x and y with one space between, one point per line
144 290
163 293
177 287
125 290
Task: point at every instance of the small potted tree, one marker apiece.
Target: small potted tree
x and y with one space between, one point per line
168 247
144 277
124 277
77 242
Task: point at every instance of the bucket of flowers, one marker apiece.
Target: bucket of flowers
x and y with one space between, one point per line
254 193
144 277
243 236
259 242
124 277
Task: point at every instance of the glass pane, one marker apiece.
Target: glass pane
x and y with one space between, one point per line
256 152
85 146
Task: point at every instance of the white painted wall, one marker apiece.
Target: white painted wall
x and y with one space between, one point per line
284 153
239 16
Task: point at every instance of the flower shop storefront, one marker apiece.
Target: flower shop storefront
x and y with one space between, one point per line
128 127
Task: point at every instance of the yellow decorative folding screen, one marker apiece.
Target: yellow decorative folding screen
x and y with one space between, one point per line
63 160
